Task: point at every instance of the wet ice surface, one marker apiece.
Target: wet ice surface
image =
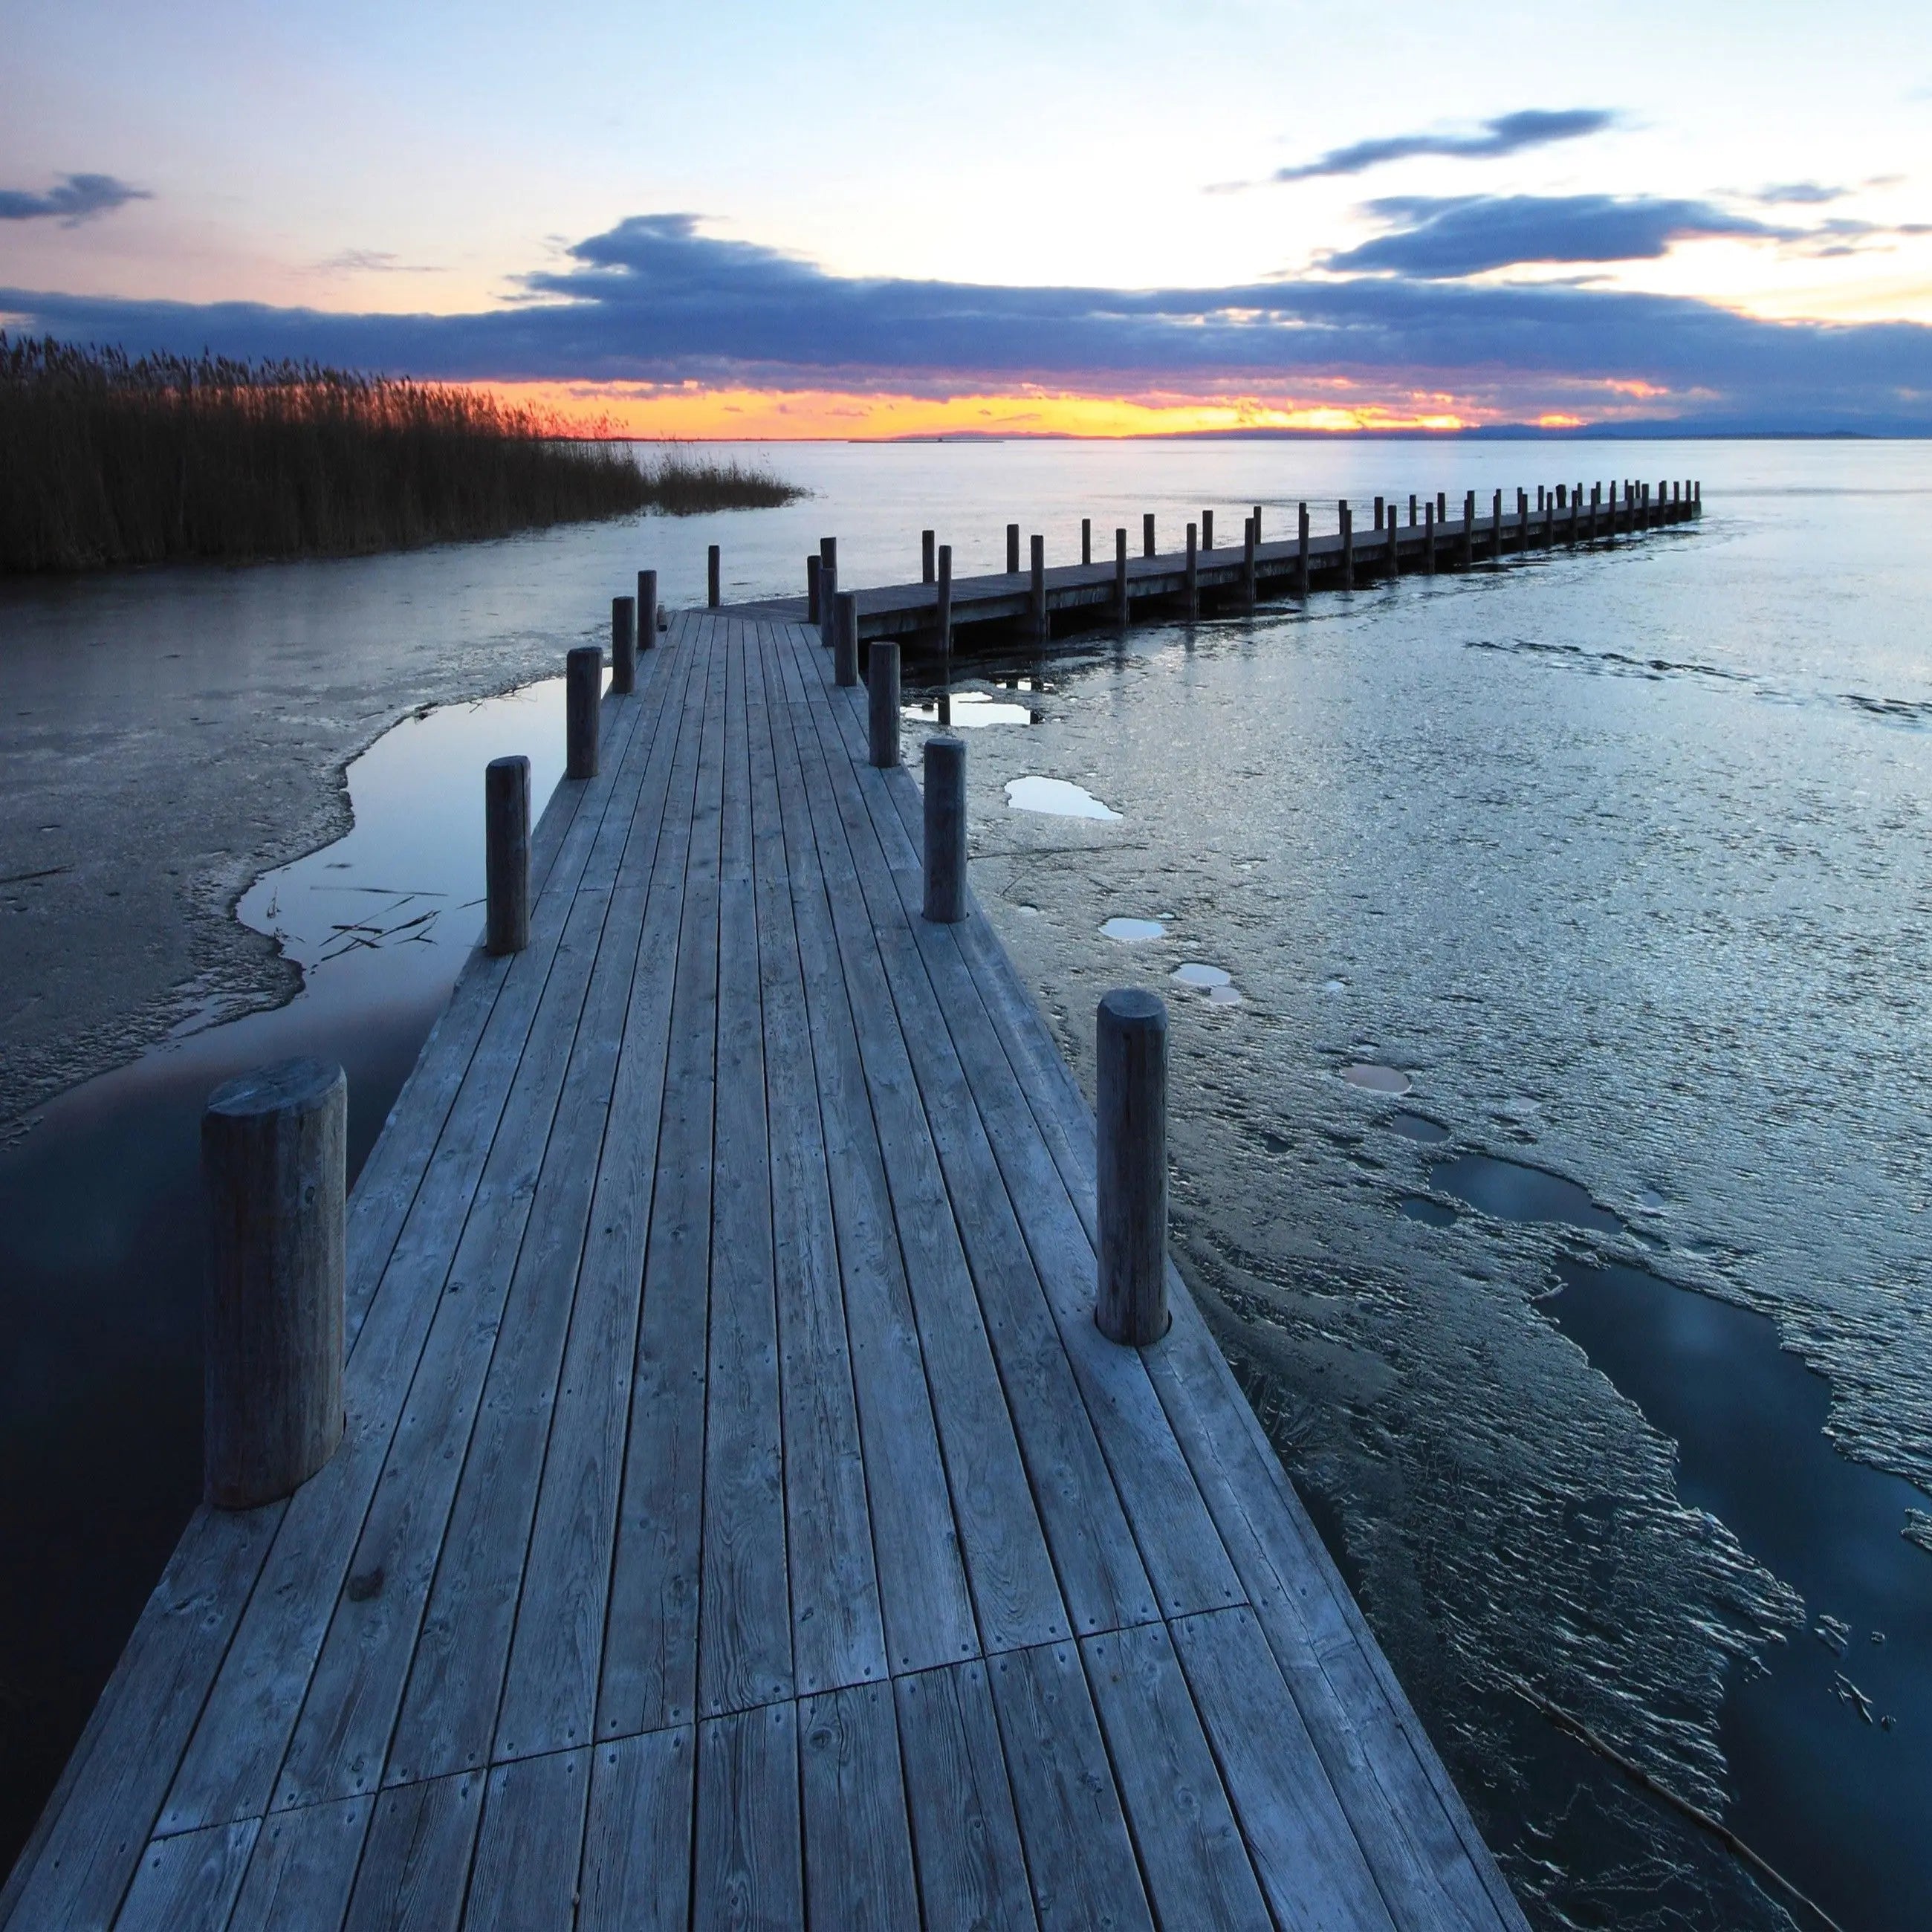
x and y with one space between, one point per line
1599 847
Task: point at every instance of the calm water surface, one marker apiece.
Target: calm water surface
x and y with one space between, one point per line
1545 951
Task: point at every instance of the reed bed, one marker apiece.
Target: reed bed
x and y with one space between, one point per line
110 459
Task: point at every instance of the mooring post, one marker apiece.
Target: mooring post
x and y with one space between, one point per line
1036 585
1147 534
647 609
882 701
1348 523
1429 538
1086 539
945 600
583 691
273 1163
1130 1190
1393 557
812 616
1120 578
1378 513
1469 530
1522 520
1013 550
946 829
1697 497
506 855
1441 506
1207 529
927 562
845 639
1412 519
623 644
1496 529
1191 590
711 576
828 585
1257 525
1249 586
1301 552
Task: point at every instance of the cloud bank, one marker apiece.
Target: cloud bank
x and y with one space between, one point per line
1506 134
654 300
79 198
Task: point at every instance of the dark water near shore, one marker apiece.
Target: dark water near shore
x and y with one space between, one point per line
1615 863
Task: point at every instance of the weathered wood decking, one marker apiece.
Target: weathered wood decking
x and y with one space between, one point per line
740 1520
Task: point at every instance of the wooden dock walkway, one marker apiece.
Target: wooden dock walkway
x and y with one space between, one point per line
1067 596
740 1520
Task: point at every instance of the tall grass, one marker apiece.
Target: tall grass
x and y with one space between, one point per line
106 459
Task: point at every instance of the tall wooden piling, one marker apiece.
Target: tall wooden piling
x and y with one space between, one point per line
812 615
1429 538
1207 529
1147 534
1347 516
1392 539
624 645
943 610
1130 1194
845 639
1013 550
1301 552
1411 510
1037 587
274 1159
1378 513
1257 520
1120 577
583 692
647 609
882 702
945 762
1191 594
928 562
1250 585
1496 530
506 855
1468 558
711 576
828 585
1086 539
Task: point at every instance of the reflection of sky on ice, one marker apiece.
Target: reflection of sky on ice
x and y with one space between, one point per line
1060 798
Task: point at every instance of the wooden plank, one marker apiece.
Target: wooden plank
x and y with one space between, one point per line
858 1842
924 1599
745 1614
1015 1593
1191 1853
649 1680
550 1695
837 1635
636 1844
746 1869
415 1864
304 1867
529 1844
972 1872
1303 1847
1078 1855
187 1883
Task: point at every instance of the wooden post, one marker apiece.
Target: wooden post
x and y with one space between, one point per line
274 1163
1411 510
1496 529
946 829
1036 585
928 562
623 644
1249 586
1257 525
1522 520
1191 596
882 701
1429 538
1147 534
812 588
1697 496
711 576
845 639
1301 553
1120 578
1469 530
506 855
1347 517
1086 539
1207 529
647 609
828 585
1392 558
945 601
1130 1193
1013 550
1441 506
1378 513
583 692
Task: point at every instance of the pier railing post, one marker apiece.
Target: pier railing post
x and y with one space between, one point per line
711 576
1207 529
1392 557
1496 530
1469 530
845 639
1086 539
882 701
1249 586
945 758
647 609
1130 1135
812 616
1037 587
1013 550
1120 578
1193 593
583 693
927 562
506 855
828 585
943 611
274 1163
1522 520
1301 552
1348 521
1429 538
1378 513
623 644
1147 534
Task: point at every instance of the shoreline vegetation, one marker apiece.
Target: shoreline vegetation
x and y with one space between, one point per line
107 461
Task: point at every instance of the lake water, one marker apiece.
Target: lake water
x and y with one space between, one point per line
1545 949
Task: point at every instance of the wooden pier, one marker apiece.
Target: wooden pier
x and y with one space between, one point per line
1200 578
740 1519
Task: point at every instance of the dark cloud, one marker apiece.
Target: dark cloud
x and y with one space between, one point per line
1441 237
1508 134
652 300
79 198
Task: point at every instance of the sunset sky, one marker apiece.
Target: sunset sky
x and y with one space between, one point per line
749 220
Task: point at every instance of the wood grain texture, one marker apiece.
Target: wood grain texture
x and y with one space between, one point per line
529 1844
858 1839
187 1883
747 1864
303 1867
415 1862
636 1841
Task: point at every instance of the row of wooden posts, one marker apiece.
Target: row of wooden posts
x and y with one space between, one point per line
274 1141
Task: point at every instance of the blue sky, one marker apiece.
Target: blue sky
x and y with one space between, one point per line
1716 215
